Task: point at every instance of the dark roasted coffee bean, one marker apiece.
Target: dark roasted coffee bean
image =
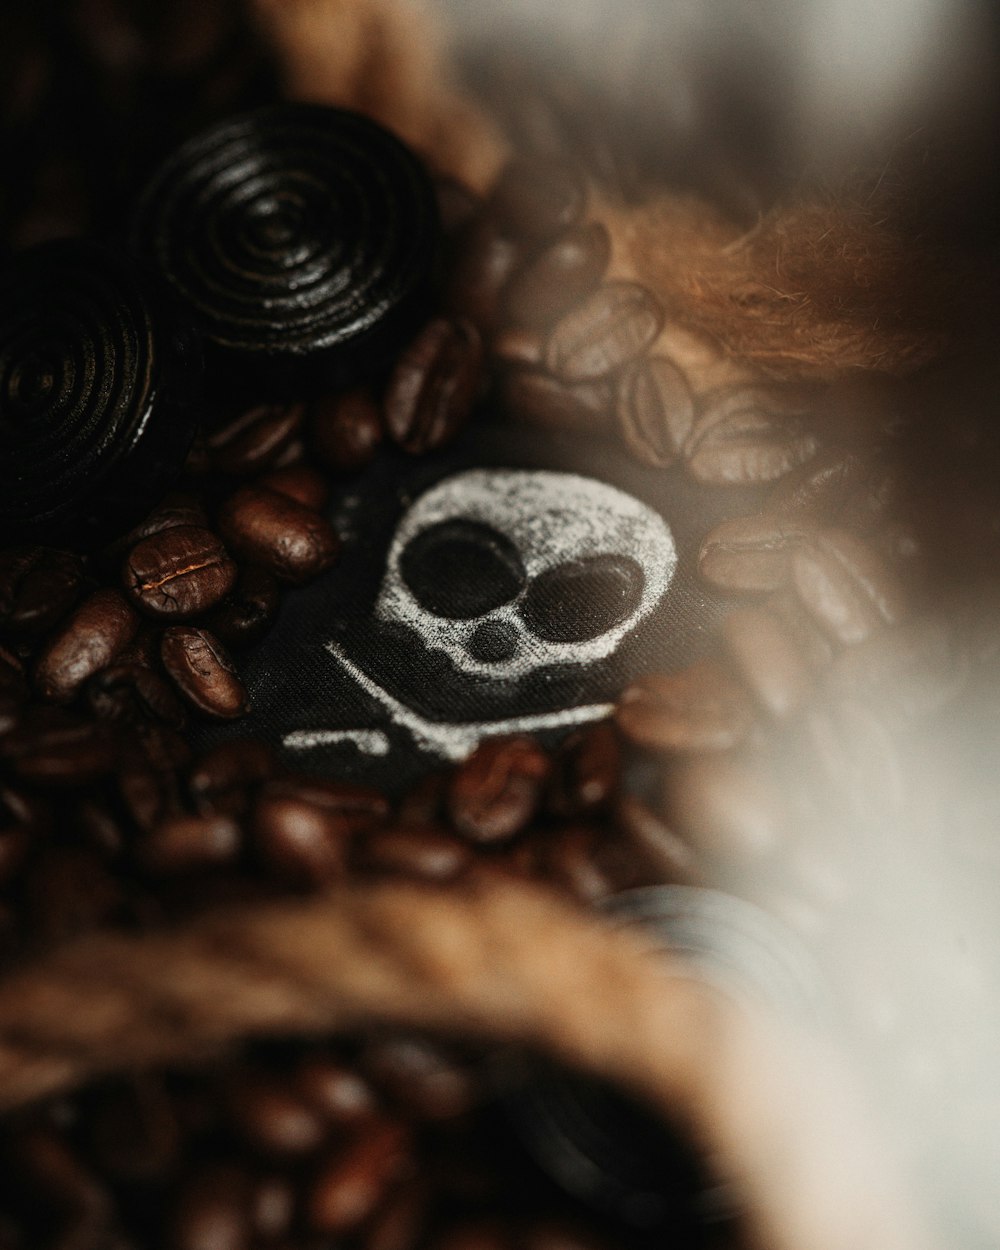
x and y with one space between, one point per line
339 1093
305 840
421 852
178 572
133 1132
212 1211
751 553
586 772
846 587
272 1207
273 1118
612 326
223 780
90 639
494 794
306 486
146 794
540 399
350 1185
50 746
484 263
434 385
247 613
655 410
768 658
648 838
699 708
292 542
420 1078
38 586
517 346
134 695
727 809
747 435
554 280
175 509
255 439
346 430
186 843
539 198
203 672
820 488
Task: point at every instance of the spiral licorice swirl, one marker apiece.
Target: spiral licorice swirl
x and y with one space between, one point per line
96 394
301 239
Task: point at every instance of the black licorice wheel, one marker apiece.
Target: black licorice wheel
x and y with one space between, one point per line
301 239
99 394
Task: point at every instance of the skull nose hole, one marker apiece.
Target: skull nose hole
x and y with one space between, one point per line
492 642
459 569
583 599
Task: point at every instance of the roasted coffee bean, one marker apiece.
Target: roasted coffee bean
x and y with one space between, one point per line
248 611
571 863
146 794
294 543
845 586
272 1207
434 385
517 346
222 781
539 198
768 659
38 586
655 410
51 746
540 399
134 695
213 1211
420 1078
273 1118
186 843
362 807
648 838
174 510
306 486
255 439
346 430
494 794
699 708
305 840
748 435
203 672
751 553
612 326
484 263
339 1093
554 280
586 771
726 808
350 1185
133 1132
178 572
91 638
421 852
820 488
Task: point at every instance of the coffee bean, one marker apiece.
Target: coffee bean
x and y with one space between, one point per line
768 659
90 639
13 690
494 794
845 586
424 803
539 198
484 263
272 1207
187 843
223 780
434 385
346 430
178 572
203 672
571 863
339 1093
147 795
818 489
699 708
517 346
538 398
751 553
304 840
560 275
748 435
213 1211
420 852
647 837
306 486
38 586
400 1220
53 747
727 809
294 543
612 326
173 510
244 617
420 1078
586 771
273 1118
255 439
350 1185
133 695
655 410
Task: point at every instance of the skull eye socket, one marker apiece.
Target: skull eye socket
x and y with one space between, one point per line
461 569
583 599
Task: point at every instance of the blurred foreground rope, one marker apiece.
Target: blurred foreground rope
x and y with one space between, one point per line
776 1113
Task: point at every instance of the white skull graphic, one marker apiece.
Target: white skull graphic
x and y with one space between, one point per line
508 571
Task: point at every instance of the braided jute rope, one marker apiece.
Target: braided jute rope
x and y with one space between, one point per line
504 963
